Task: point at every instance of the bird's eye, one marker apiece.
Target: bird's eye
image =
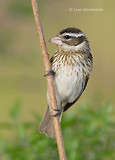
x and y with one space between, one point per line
67 37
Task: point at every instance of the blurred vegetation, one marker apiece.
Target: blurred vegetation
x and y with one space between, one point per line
88 135
20 8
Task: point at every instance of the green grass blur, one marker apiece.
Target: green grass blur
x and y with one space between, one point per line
88 135
22 82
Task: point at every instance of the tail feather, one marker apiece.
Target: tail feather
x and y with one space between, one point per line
46 125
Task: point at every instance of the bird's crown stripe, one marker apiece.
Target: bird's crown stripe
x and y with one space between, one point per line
73 34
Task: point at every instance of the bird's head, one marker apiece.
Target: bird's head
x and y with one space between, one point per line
71 40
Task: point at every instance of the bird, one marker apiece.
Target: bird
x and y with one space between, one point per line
71 66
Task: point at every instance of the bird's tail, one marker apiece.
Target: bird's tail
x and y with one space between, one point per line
46 125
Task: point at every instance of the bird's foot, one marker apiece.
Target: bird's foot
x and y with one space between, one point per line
51 72
58 110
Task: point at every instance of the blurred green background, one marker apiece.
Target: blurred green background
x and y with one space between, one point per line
21 67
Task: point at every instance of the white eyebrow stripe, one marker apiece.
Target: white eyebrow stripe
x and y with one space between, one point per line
74 34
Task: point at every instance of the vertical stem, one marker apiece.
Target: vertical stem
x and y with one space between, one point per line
50 83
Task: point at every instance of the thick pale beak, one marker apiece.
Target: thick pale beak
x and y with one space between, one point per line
56 40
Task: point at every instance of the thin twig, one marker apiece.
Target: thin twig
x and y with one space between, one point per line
50 84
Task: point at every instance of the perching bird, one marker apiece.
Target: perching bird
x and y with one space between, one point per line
71 65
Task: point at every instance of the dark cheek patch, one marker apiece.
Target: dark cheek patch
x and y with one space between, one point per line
74 41
81 39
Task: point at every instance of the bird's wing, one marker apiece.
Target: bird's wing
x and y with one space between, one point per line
52 58
68 105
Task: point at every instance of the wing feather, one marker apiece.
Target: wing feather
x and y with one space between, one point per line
68 105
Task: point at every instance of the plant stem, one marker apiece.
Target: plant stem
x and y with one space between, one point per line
50 83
